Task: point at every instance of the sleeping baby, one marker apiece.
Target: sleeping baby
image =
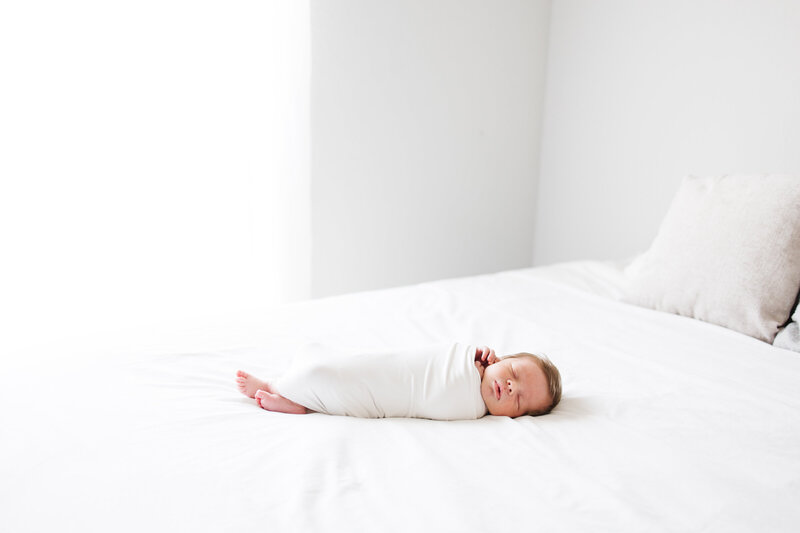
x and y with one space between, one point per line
440 382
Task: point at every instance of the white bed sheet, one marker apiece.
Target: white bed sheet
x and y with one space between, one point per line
666 424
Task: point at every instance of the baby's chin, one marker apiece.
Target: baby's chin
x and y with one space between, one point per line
487 394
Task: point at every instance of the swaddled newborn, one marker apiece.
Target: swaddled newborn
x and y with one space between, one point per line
441 382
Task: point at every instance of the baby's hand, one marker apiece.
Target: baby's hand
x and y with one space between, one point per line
485 356
479 366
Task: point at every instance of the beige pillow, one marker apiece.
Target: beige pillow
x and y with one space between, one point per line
728 252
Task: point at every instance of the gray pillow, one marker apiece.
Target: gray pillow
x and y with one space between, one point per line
727 252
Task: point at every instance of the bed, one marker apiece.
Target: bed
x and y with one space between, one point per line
666 424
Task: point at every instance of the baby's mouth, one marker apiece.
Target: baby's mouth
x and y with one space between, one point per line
496 390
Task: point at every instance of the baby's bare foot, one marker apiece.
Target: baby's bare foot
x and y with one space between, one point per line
275 402
248 385
266 400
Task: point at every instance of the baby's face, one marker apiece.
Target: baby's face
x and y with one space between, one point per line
514 386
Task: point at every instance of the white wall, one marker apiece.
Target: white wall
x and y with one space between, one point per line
154 162
640 93
425 135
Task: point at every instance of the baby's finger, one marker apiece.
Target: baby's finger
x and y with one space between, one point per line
484 353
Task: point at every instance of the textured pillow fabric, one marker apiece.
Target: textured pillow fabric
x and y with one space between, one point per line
727 252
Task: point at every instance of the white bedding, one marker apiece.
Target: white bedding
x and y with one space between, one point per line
666 424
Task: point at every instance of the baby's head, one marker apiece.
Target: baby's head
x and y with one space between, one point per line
521 384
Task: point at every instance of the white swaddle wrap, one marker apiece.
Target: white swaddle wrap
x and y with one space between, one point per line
439 382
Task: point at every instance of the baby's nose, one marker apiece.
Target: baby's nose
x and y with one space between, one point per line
508 382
